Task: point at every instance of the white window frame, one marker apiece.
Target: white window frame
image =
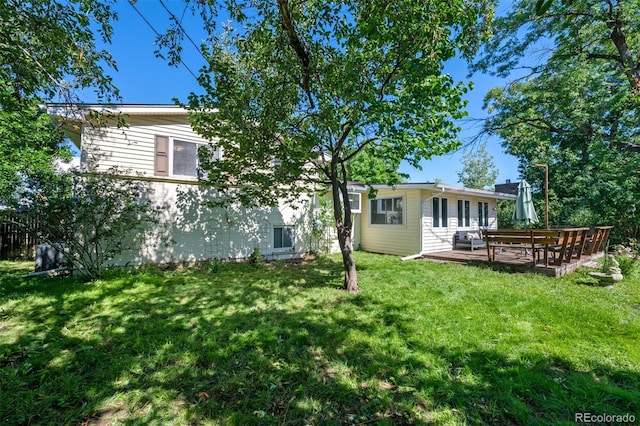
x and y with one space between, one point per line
198 144
353 197
466 219
483 213
387 215
292 247
441 223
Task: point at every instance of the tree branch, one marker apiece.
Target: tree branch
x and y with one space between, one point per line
615 58
388 79
618 37
298 48
360 148
346 129
533 122
546 126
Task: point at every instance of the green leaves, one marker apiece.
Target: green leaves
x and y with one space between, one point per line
96 216
301 90
576 109
542 6
478 170
30 143
375 80
48 48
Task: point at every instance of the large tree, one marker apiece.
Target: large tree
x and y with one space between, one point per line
578 31
478 169
30 142
564 46
48 48
295 90
575 105
48 52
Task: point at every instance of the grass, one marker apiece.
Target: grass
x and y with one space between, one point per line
238 344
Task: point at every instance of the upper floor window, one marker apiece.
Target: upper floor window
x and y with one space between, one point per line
386 211
176 157
185 158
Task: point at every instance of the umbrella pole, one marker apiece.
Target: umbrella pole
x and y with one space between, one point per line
546 193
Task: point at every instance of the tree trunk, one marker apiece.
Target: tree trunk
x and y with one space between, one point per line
630 63
346 248
344 225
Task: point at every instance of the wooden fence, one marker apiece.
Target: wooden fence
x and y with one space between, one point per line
16 238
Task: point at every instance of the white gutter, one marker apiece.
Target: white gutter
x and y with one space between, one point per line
477 192
412 257
66 110
450 189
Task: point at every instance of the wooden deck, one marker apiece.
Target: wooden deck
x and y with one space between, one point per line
516 260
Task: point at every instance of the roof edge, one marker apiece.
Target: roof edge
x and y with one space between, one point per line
61 109
445 188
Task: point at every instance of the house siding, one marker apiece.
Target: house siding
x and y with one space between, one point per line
441 238
401 239
189 231
132 147
437 238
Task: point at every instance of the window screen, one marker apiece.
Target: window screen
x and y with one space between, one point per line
440 212
283 237
386 211
483 213
185 158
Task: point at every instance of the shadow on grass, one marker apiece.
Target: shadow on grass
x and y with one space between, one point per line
273 344
493 266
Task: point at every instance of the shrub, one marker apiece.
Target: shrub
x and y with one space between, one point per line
96 216
627 256
255 258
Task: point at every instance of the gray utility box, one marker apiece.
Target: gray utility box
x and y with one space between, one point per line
49 256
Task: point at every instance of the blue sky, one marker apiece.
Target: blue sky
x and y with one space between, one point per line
144 78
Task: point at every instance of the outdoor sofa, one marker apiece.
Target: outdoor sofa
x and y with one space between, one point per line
468 240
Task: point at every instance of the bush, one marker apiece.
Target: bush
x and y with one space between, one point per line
255 258
627 256
97 216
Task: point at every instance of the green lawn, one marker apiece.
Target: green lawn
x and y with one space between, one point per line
239 344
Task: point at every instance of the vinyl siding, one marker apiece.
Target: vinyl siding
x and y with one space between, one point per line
188 231
417 234
132 147
441 238
401 239
438 238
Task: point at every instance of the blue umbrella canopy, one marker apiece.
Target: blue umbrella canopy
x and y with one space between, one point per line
524 211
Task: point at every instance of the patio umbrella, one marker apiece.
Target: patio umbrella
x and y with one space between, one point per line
524 211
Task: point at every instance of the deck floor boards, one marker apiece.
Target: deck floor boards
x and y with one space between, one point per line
517 260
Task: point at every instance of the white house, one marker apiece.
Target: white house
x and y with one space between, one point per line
419 218
159 146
